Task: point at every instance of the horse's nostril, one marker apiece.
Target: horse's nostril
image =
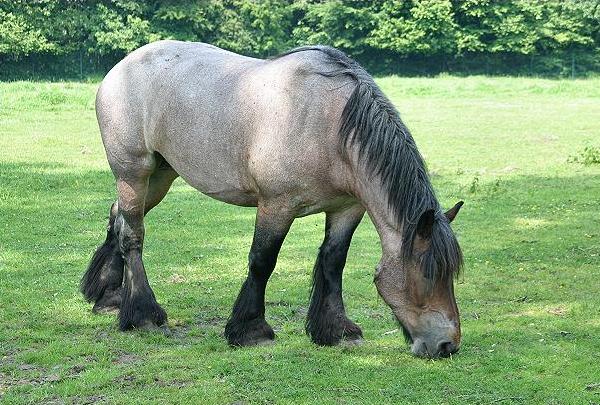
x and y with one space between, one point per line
446 348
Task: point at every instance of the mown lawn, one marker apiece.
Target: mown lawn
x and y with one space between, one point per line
529 295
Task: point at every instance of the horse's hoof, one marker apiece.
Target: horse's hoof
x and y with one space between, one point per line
144 313
260 342
256 332
105 310
249 341
150 326
165 330
109 303
353 341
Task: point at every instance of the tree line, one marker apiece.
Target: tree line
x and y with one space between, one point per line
79 37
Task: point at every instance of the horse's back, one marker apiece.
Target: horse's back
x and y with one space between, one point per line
143 81
233 127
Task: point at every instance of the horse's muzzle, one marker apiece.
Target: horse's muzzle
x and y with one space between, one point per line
431 350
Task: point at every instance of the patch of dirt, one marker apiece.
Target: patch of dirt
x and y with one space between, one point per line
93 399
558 311
8 357
299 312
28 367
53 401
32 374
279 303
52 378
210 321
176 279
127 380
7 382
179 330
172 383
126 358
76 370
3 384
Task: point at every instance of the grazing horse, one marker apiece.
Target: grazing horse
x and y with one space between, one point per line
305 132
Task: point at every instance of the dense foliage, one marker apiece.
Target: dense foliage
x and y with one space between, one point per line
409 36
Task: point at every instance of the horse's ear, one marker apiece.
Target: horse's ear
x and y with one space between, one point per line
452 212
425 225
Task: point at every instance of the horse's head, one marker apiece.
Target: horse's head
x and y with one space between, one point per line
418 285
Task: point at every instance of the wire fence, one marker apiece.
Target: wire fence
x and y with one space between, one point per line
569 64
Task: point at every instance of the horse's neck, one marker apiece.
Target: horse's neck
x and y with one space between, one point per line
373 197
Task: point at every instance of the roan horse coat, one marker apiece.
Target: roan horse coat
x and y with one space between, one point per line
305 132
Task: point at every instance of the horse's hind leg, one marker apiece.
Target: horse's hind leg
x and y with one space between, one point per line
139 308
101 282
246 325
327 323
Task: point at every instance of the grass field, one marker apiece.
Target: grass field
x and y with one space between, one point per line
529 295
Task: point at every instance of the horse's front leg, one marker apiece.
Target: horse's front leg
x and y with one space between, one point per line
327 323
246 325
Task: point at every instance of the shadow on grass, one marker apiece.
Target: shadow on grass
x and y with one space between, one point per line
524 242
529 291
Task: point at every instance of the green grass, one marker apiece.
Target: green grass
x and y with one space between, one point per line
529 295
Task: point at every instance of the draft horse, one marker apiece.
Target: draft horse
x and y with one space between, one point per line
305 132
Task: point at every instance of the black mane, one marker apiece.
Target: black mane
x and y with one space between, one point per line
370 121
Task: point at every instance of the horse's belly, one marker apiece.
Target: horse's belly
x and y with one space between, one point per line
227 193
216 179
